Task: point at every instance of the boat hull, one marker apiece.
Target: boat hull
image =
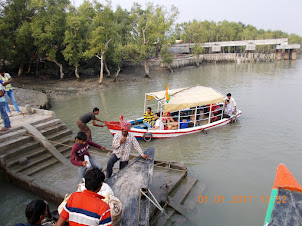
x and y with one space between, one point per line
126 185
114 127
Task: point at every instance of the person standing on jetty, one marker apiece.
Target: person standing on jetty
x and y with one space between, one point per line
80 150
7 80
87 207
122 144
4 115
84 119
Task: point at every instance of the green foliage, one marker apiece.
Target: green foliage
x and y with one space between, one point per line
167 57
35 30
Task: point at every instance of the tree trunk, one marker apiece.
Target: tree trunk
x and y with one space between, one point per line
102 66
76 72
197 60
106 68
29 66
20 71
147 70
170 68
59 65
117 73
37 68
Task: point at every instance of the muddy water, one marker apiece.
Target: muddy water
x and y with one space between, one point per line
235 160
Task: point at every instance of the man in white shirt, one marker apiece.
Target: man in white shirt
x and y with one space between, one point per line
232 101
228 109
159 125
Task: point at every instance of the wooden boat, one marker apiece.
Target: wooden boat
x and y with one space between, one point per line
126 185
285 201
192 109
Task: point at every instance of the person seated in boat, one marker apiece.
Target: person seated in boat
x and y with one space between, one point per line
232 101
87 207
159 125
35 212
80 150
122 143
148 118
173 124
166 119
227 109
215 115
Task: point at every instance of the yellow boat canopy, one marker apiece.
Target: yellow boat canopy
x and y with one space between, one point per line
187 97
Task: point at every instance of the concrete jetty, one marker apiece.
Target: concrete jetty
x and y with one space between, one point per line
35 155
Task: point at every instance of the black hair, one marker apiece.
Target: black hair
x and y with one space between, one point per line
149 108
95 109
157 114
34 210
81 136
94 179
227 100
229 94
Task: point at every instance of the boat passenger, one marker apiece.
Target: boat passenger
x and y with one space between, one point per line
228 109
79 150
159 125
148 118
173 124
35 212
232 101
84 119
3 112
87 207
122 144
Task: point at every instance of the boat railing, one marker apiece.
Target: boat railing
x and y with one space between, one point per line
192 117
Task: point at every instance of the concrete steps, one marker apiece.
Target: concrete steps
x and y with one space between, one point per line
20 150
47 124
38 157
175 202
42 121
23 154
12 135
56 135
12 143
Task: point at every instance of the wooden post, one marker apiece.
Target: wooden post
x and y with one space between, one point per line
286 54
293 54
278 54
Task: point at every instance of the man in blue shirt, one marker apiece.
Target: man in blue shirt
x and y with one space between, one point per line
3 112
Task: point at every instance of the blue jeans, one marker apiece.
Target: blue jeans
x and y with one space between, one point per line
11 95
94 164
4 115
112 160
147 124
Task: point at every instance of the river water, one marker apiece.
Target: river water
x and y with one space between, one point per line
235 160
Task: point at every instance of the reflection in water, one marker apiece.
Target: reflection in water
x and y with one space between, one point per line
237 159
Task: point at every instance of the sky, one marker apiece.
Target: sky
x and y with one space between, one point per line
266 14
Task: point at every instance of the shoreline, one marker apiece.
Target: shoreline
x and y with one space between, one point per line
58 90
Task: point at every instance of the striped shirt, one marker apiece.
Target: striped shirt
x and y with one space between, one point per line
149 118
86 208
122 151
6 77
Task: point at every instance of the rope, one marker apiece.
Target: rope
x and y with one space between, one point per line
154 201
50 141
